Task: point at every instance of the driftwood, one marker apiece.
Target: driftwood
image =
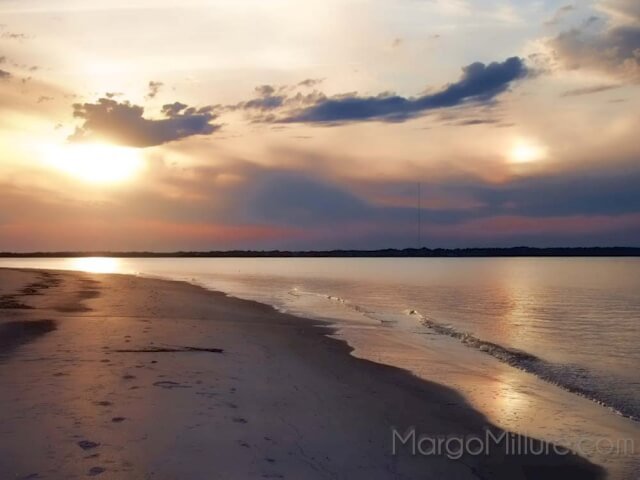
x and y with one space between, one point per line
169 350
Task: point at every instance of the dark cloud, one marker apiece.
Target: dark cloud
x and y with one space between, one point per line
590 193
154 88
125 124
613 48
479 83
295 200
271 100
173 109
288 199
268 102
4 75
268 97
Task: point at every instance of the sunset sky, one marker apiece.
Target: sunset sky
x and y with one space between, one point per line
220 124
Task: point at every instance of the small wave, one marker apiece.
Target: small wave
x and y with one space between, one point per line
573 378
384 319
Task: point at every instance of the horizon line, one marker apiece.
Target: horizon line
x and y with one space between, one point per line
516 251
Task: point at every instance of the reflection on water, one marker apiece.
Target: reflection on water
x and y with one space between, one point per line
95 264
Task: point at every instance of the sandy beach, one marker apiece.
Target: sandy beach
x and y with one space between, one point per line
121 377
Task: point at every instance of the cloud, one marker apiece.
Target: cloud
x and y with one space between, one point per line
560 14
629 9
613 48
123 123
271 100
270 97
590 90
461 209
311 207
14 36
267 100
294 200
154 88
597 192
173 109
479 83
310 82
4 75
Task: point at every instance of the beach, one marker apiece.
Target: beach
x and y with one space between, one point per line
118 376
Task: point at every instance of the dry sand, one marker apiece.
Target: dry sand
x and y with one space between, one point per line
120 377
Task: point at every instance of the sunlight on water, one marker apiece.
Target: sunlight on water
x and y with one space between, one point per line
96 264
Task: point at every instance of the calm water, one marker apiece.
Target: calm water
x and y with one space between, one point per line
515 335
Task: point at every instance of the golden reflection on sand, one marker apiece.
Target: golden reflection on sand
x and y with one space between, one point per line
512 401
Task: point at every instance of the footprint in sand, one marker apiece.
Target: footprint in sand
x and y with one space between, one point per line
94 471
87 444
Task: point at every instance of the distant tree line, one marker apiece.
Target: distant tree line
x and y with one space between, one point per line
387 253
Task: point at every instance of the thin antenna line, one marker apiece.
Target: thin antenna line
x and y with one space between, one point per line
419 215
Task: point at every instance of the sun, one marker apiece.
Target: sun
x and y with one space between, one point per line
94 162
526 151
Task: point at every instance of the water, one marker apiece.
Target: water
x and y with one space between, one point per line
549 347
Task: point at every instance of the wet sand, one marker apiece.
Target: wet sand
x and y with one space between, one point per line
119 377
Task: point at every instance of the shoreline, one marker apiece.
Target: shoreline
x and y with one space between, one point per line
287 378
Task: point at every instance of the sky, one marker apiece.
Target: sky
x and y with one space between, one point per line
166 125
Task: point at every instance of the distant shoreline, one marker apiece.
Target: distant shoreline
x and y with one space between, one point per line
382 253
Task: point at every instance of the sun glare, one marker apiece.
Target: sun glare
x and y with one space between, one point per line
94 162
524 151
96 264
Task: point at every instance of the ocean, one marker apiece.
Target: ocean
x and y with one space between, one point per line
547 347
